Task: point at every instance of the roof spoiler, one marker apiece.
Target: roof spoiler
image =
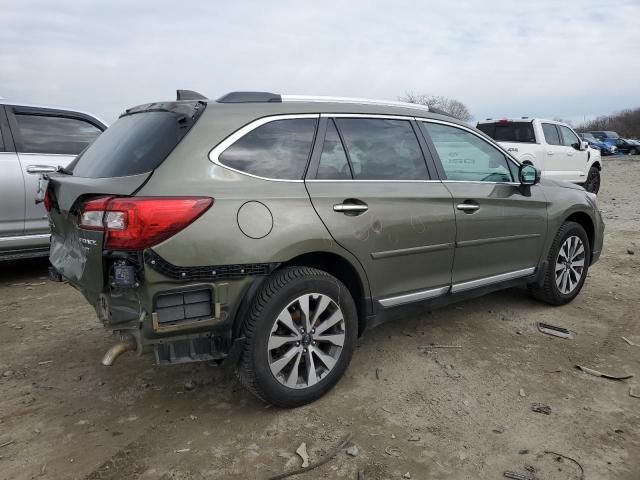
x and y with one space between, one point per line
189 95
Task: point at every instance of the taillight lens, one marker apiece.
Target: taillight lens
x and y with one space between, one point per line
137 223
48 203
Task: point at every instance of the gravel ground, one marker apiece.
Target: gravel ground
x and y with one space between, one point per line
448 413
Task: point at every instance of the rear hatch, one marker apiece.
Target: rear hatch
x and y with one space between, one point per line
117 164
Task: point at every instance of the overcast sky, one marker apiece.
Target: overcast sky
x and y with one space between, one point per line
553 58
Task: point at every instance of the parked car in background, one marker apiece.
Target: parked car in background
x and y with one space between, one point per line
330 216
551 146
603 134
628 147
34 140
596 143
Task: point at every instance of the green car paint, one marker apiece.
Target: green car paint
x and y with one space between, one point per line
412 244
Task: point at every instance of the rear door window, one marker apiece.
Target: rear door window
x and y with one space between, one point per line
382 149
54 134
279 149
551 134
466 157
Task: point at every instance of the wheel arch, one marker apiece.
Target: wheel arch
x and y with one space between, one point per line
584 219
343 270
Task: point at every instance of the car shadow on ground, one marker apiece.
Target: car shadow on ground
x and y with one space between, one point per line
21 270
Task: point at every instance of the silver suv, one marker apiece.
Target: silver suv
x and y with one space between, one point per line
34 140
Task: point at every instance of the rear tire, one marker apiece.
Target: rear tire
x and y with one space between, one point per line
593 180
633 151
300 337
567 266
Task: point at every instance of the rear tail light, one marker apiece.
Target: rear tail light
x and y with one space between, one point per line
136 223
48 203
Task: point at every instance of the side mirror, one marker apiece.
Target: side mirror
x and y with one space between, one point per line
528 175
583 145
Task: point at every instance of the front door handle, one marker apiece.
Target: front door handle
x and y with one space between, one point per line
35 169
350 208
549 152
468 207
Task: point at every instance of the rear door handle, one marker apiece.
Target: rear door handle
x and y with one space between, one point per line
468 207
549 153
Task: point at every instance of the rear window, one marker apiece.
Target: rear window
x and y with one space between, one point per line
279 149
138 142
55 134
509 131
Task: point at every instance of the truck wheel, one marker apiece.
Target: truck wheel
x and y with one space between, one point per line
300 335
593 180
567 266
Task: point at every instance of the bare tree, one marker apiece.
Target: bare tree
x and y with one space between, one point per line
453 107
626 123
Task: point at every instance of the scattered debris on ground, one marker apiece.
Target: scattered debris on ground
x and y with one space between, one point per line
559 456
322 461
517 476
630 342
302 453
596 373
434 345
554 330
541 408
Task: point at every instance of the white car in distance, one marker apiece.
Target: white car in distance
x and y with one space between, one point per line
551 146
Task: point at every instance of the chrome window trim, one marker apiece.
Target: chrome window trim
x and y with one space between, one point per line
480 182
73 155
413 297
322 180
216 151
368 115
481 282
462 127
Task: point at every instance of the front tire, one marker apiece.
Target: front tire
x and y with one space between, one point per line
633 151
300 337
593 180
567 266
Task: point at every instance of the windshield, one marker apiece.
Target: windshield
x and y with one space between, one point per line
138 142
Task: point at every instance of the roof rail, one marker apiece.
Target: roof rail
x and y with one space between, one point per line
189 95
362 101
250 97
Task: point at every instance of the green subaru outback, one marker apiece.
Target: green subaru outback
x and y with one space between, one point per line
271 231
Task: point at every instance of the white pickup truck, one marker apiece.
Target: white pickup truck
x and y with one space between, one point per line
551 146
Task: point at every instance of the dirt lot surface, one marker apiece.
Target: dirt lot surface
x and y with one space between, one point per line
450 413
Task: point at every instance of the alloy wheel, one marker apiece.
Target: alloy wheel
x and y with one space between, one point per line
306 340
570 264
